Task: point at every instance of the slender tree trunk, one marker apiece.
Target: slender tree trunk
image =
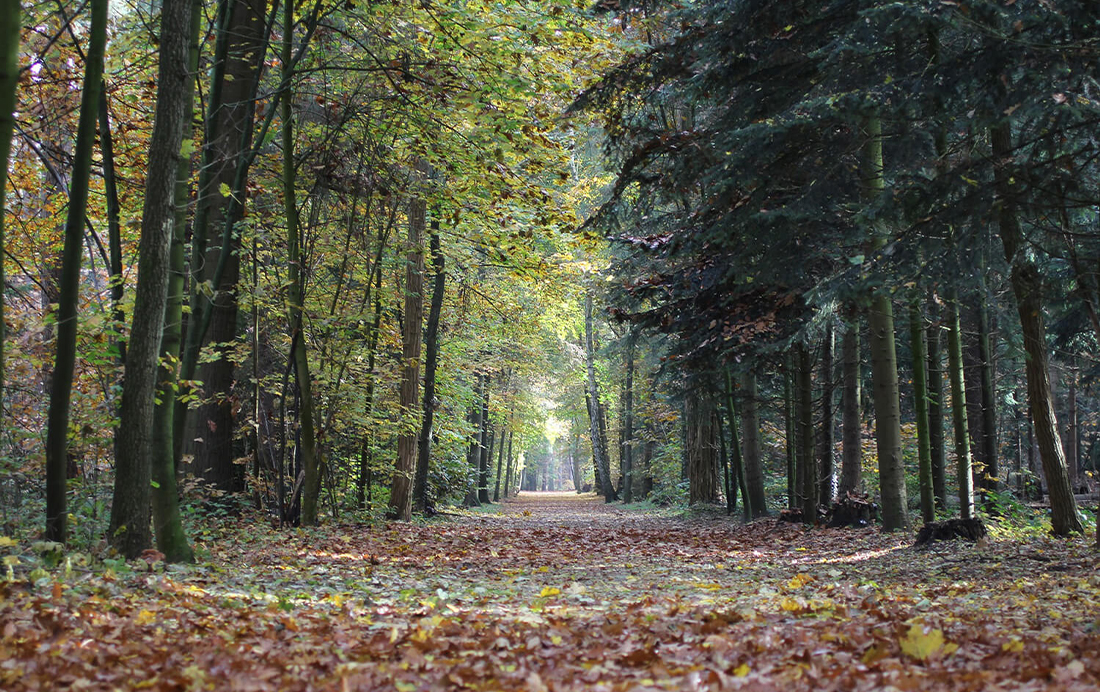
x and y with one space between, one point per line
628 423
935 418
61 383
737 458
473 456
239 53
598 445
963 460
884 362
790 407
920 403
750 439
431 360
851 464
827 482
311 462
366 452
728 486
500 459
991 475
511 465
482 462
807 474
1027 287
400 506
9 79
1071 429
130 516
114 220
167 523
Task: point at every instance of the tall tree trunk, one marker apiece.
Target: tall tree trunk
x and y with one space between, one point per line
500 457
207 432
366 452
114 214
311 462
992 476
628 423
61 383
400 506
701 449
597 479
935 417
851 464
598 445
790 408
750 440
9 79
807 474
884 362
1072 429
1027 287
473 456
964 464
920 403
511 465
167 523
482 463
737 458
130 515
827 482
431 360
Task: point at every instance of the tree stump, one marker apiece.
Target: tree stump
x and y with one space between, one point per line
972 530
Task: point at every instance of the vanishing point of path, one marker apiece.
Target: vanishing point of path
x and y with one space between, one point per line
555 591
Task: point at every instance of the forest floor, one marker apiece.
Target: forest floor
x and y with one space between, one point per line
556 591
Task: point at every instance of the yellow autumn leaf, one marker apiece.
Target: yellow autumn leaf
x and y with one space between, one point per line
1013 646
11 560
799 580
548 591
921 643
741 670
790 605
145 617
7 542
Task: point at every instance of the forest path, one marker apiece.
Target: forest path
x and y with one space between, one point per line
555 591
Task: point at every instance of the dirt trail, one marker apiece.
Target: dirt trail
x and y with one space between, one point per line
554 591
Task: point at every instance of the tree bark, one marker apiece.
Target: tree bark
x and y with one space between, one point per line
207 432
827 481
790 406
400 506
807 474
598 445
991 474
431 361
483 448
628 423
851 465
701 449
920 403
61 382
884 362
964 472
935 417
130 514
750 440
1027 287
9 79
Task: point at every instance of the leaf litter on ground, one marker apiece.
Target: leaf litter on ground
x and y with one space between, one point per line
563 592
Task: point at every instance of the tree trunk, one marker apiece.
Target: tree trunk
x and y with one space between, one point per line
884 362
851 464
935 417
473 456
400 506
1071 429
790 405
9 79
628 423
130 515
807 474
701 449
598 445
366 453
240 47
737 458
991 474
750 440
167 523
500 461
431 360
920 403
964 473
1027 287
827 482
61 383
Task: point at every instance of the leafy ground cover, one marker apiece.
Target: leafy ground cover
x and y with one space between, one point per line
561 592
